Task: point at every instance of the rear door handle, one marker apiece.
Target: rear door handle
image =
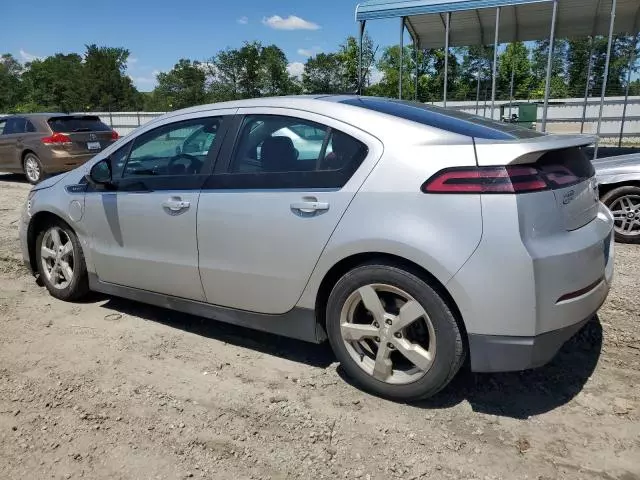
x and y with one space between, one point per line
176 204
309 206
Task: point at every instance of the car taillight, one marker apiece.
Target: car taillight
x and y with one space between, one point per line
114 135
509 179
56 138
504 179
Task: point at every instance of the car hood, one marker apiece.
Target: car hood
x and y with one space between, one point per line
49 182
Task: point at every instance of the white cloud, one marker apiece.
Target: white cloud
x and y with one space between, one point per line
28 57
290 23
243 20
295 69
308 52
131 61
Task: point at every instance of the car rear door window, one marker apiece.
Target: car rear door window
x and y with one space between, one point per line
275 151
81 123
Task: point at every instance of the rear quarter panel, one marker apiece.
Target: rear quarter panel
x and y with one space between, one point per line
390 215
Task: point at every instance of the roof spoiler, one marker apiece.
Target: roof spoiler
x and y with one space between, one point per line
510 152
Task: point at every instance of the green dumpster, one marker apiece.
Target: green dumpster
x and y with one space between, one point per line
523 113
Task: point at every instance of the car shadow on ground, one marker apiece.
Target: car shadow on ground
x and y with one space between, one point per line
311 354
13 177
516 395
531 392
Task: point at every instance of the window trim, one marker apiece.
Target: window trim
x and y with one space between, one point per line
223 178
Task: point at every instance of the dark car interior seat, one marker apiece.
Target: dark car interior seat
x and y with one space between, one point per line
278 154
343 150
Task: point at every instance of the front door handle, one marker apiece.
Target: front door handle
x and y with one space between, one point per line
176 204
310 206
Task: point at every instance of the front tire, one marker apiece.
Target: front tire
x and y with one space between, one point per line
33 168
624 203
61 262
393 334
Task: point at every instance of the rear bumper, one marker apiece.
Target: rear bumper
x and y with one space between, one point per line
522 296
57 162
494 353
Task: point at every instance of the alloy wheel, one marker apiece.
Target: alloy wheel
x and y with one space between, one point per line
388 333
32 169
57 257
626 214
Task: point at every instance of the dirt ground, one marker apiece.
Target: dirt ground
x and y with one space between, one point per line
114 389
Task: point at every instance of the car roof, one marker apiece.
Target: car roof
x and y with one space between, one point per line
281 101
362 110
47 115
36 115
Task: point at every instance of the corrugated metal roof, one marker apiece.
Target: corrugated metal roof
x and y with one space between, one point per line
473 21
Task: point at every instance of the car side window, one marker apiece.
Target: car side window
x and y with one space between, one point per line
118 160
31 127
173 149
3 124
289 152
15 125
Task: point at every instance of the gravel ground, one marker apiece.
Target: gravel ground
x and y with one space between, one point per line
114 389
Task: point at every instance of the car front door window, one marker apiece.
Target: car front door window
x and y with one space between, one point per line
160 152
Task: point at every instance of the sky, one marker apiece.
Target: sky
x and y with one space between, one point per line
158 33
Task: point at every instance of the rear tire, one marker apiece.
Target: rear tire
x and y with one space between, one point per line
624 203
421 341
61 262
32 168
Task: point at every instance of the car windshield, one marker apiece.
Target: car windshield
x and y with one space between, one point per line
445 119
77 124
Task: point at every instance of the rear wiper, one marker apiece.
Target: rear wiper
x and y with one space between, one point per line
85 129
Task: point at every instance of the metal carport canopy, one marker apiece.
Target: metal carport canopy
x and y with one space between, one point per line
473 21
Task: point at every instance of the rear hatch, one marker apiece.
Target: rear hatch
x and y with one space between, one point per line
557 163
85 134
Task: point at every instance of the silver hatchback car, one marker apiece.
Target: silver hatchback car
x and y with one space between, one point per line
411 237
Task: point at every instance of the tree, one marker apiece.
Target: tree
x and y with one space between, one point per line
56 83
349 57
578 52
275 78
514 58
107 86
539 60
389 66
224 70
476 65
10 86
323 74
183 86
248 72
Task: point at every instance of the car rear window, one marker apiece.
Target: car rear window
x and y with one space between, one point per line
445 119
83 123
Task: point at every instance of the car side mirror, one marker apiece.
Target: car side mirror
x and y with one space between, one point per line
100 173
178 150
